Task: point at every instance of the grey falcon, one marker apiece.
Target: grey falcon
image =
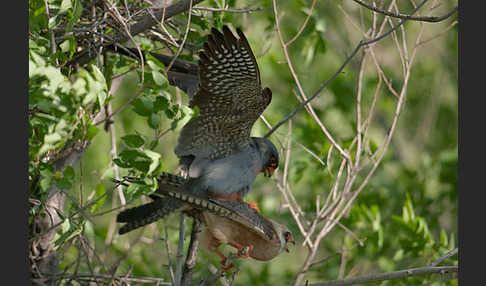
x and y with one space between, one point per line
215 150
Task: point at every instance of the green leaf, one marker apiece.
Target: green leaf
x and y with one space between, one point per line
78 9
154 121
121 163
154 63
159 79
64 183
155 160
100 191
130 155
133 140
443 238
143 106
65 5
160 103
91 132
373 146
68 173
69 231
52 138
100 79
65 46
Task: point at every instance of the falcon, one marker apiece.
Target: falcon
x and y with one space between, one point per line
216 153
232 223
215 149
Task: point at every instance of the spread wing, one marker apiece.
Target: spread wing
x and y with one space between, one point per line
230 97
238 212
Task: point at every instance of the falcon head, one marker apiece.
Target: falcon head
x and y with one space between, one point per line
269 155
284 235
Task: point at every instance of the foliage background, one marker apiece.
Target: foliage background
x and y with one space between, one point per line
406 216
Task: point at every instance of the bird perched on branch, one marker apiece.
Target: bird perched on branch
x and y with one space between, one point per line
232 223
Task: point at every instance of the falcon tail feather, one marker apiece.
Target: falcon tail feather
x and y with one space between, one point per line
145 214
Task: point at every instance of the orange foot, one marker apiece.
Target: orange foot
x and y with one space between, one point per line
223 262
254 206
247 253
242 252
226 268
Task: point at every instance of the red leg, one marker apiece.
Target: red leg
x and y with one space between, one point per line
223 260
254 206
241 248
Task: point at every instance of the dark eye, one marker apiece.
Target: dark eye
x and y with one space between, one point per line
273 162
287 235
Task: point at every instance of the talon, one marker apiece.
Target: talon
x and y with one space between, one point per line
254 206
228 267
245 251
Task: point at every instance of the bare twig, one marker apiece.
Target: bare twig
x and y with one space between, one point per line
326 83
125 105
191 253
390 276
145 23
169 252
188 25
104 277
303 25
454 23
180 249
245 10
301 91
408 17
220 273
444 257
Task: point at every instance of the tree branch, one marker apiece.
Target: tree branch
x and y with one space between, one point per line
390 276
444 257
191 253
142 25
348 59
247 10
408 17
102 278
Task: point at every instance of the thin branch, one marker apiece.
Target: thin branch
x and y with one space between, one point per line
444 257
121 108
348 59
299 87
104 277
439 34
114 154
191 253
246 10
142 25
220 273
408 17
180 249
179 50
303 25
169 252
390 276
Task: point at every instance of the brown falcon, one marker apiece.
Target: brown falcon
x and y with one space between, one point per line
232 223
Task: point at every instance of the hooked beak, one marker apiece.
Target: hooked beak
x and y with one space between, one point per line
286 247
268 172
